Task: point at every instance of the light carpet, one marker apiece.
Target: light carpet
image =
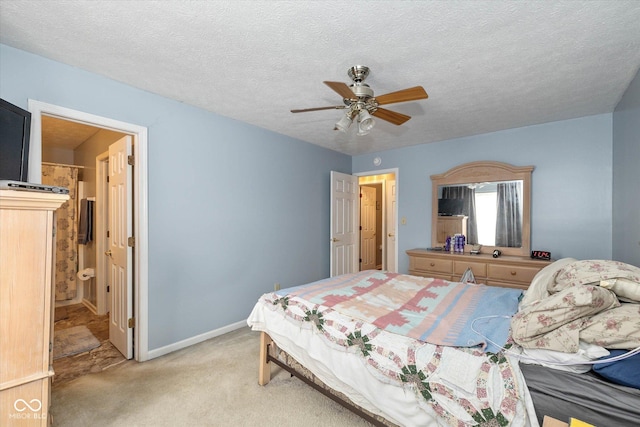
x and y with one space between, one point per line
213 383
74 340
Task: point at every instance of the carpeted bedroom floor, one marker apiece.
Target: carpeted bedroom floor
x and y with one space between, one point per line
214 383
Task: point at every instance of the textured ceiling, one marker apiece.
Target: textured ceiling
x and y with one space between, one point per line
486 66
64 133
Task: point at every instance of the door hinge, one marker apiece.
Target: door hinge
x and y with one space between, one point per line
131 242
108 288
107 233
131 160
107 178
132 322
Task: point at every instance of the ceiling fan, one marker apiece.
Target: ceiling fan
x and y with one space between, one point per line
360 103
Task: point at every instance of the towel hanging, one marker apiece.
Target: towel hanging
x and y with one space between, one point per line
85 225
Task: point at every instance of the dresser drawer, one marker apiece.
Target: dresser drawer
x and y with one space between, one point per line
479 269
506 271
512 273
433 264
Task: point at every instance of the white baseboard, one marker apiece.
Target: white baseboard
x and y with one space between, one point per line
92 308
195 340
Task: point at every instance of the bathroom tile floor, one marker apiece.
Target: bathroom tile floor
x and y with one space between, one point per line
96 360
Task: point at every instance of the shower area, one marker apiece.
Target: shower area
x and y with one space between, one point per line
75 255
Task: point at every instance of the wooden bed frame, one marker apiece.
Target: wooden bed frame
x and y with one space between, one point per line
269 352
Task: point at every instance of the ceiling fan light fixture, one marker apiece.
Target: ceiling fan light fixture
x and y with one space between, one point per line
362 132
344 123
359 100
365 122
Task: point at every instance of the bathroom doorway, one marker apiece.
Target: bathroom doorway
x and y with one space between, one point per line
82 342
40 111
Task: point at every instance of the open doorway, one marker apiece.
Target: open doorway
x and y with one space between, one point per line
41 113
370 227
82 339
378 249
345 221
69 151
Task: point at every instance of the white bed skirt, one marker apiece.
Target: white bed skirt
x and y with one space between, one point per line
347 372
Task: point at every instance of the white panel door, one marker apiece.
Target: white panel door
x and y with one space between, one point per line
367 228
344 223
391 213
120 229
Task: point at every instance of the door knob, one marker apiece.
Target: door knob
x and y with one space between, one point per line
391 235
108 253
335 240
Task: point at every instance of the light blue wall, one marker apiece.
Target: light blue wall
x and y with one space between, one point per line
571 183
626 176
232 208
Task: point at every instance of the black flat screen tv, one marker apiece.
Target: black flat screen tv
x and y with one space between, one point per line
449 207
15 128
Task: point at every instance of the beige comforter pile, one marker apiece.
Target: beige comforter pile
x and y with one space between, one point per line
594 301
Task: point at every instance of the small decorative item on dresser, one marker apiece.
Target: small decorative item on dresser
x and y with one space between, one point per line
475 249
458 242
497 253
545 255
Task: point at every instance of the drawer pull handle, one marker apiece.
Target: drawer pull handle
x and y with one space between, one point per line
513 273
432 264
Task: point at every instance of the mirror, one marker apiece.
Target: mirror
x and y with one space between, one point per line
488 202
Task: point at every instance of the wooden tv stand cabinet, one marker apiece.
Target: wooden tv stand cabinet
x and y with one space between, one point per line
27 263
505 271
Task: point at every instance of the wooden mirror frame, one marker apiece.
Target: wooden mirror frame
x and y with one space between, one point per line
487 171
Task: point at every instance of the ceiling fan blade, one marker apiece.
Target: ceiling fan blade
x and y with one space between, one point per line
341 88
410 94
335 107
391 116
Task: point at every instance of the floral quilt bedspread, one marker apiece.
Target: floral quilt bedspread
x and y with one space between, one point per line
458 386
431 310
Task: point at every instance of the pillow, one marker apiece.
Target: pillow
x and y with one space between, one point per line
625 371
623 279
538 288
617 328
570 362
627 290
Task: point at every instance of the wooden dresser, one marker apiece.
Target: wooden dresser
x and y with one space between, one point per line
26 305
505 271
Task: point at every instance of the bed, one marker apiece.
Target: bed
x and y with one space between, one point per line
413 351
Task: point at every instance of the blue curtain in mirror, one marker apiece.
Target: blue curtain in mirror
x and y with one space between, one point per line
468 196
509 215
